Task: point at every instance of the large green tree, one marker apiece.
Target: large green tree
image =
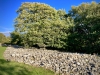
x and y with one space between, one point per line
86 33
39 23
4 39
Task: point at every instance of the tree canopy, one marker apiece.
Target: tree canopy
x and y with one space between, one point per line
41 24
85 37
4 39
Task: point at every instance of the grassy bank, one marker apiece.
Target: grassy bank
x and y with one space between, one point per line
2 49
14 68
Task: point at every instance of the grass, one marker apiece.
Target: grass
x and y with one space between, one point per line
14 68
2 49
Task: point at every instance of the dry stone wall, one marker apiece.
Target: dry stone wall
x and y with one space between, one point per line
60 62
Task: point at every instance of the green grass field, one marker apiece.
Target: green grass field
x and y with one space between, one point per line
2 49
14 68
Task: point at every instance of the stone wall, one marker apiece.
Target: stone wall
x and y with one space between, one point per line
60 62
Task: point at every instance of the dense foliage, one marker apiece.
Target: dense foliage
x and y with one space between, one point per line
86 34
41 24
4 39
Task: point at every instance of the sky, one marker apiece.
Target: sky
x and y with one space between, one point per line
8 10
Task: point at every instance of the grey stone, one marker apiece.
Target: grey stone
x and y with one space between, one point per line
78 63
60 62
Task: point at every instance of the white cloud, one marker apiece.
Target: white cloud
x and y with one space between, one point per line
5 28
6 33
